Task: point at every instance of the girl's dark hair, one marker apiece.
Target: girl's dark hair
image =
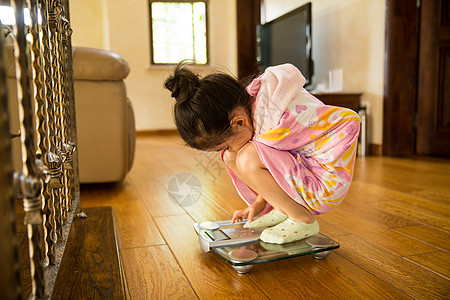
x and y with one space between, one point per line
204 106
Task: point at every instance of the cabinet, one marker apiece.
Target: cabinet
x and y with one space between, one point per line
352 101
348 100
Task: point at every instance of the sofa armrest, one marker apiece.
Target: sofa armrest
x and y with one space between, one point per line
106 130
88 64
96 64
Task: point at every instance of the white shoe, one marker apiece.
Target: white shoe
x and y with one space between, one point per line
289 231
272 218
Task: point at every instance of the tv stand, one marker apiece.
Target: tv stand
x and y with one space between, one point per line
348 100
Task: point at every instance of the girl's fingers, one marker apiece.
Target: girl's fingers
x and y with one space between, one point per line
236 216
251 214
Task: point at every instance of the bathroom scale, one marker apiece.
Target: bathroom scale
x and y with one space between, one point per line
242 248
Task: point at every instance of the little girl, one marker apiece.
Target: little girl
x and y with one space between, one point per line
281 146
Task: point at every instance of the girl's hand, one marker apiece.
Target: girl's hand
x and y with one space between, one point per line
251 211
240 215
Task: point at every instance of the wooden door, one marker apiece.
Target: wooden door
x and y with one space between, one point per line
400 80
248 17
433 95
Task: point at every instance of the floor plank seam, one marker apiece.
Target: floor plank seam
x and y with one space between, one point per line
370 242
168 216
404 226
426 268
147 209
429 199
256 284
393 228
408 218
358 216
219 207
142 247
425 242
191 284
165 241
142 201
212 202
418 254
312 277
178 262
375 275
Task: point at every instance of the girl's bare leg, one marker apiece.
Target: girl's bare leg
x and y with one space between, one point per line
247 165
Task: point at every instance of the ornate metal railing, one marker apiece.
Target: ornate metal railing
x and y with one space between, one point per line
48 181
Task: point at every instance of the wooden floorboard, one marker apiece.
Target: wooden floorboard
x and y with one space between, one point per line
210 276
281 280
431 235
135 226
413 279
393 228
437 262
377 234
374 214
354 282
156 273
91 268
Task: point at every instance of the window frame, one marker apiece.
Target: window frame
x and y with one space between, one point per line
152 62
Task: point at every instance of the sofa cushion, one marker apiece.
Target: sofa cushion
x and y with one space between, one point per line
88 64
96 64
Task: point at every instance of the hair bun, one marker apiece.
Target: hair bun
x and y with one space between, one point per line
183 83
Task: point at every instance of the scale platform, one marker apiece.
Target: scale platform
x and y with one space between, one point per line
242 249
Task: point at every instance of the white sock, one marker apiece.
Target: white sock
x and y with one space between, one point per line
272 218
289 231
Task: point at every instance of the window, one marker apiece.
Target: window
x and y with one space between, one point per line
8 17
178 32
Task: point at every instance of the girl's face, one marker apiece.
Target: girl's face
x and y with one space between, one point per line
243 133
235 142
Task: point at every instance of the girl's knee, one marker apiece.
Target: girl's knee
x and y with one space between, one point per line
247 159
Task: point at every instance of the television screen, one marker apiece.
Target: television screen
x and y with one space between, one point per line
287 39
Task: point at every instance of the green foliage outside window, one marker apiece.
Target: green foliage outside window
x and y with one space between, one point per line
178 32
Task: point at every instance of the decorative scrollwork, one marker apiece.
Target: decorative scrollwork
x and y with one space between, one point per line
47 130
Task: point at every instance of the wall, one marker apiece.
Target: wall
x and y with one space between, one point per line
123 27
89 20
347 34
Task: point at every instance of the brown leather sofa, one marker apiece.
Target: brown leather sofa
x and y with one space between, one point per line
105 120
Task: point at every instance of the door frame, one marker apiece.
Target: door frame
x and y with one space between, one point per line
401 77
248 16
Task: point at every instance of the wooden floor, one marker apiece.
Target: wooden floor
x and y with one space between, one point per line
393 229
